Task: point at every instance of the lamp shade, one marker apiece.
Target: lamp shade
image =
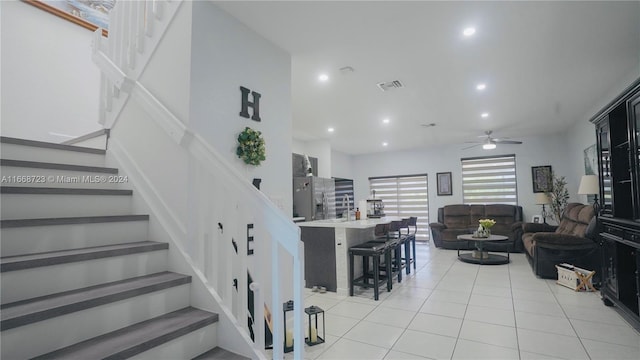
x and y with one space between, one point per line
588 185
542 199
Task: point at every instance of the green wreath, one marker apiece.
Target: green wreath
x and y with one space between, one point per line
251 148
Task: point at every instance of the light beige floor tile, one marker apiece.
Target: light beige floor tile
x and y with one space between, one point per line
599 350
351 309
551 324
536 307
435 324
489 334
564 347
491 291
444 308
397 355
374 334
491 301
621 335
458 297
426 345
339 325
349 349
490 315
390 316
466 349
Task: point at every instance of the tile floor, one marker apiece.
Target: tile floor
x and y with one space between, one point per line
448 309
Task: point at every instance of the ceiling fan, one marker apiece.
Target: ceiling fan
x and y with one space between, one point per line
489 142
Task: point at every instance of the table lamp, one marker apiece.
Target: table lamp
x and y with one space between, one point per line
589 186
543 199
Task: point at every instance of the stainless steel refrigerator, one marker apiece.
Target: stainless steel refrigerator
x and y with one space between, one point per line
314 198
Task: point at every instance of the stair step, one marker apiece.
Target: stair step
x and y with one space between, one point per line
5 224
219 353
56 166
61 191
43 202
38 239
37 309
21 262
48 145
135 339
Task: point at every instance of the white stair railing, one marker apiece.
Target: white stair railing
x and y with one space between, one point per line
225 209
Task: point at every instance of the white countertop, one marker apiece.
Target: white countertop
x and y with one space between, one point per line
340 223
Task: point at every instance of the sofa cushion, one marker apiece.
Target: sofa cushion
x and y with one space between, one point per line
575 220
456 216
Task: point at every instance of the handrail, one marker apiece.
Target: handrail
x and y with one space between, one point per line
212 178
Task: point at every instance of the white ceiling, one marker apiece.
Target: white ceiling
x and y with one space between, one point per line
545 65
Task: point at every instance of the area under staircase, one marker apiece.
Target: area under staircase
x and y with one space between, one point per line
80 278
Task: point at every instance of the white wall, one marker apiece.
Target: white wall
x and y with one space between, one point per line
341 165
535 151
49 83
227 55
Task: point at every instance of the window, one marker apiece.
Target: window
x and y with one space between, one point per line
343 187
404 196
489 180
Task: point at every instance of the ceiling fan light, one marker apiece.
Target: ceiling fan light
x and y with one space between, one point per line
489 146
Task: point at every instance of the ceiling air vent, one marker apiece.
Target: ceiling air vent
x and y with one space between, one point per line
386 86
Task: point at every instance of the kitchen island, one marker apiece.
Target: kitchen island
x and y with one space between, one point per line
326 250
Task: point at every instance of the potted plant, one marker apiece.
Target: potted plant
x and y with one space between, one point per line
559 196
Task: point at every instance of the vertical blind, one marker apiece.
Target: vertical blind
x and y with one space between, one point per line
489 180
404 196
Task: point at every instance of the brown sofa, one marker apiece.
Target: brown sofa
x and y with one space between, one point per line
454 220
573 241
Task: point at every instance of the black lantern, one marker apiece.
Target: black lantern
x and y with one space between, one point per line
314 331
288 334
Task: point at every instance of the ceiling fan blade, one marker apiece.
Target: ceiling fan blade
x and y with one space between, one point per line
498 141
469 147
474 142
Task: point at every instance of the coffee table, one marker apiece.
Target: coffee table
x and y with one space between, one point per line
481 256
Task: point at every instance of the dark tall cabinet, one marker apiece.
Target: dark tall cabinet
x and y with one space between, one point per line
618 137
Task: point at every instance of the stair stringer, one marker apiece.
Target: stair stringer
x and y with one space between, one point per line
165 226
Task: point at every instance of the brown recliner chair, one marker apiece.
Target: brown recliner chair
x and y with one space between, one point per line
573 241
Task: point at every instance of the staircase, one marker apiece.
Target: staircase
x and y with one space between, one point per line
80 278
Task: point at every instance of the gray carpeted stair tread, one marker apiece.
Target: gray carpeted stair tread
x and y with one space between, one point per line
137 338
24 190
218 353
21 262
37 309
57 166
48 145
71 220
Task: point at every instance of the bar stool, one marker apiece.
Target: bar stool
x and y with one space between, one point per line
394 241
413 222
370 250
407 259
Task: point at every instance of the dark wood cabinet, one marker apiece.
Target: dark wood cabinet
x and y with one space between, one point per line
618 138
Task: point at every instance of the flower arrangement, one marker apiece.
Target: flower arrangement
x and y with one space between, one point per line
483 229
487 223
251 146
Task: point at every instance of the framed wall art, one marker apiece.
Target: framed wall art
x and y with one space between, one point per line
541 178
444 183
90 14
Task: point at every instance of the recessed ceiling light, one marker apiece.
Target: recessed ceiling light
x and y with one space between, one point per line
485 115
469 31
385 144
386 121
331 129
481 86
323 77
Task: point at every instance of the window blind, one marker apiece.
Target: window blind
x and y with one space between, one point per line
489 180
404 196
344 187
